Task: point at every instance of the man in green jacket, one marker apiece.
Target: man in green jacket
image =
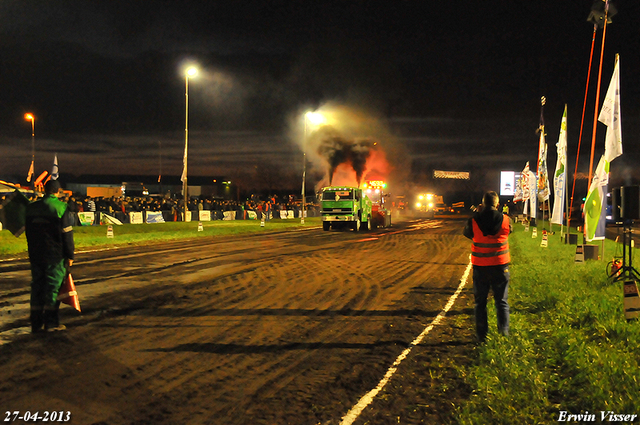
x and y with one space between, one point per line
50 240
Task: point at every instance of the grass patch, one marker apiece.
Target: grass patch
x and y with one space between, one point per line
570 348
131 234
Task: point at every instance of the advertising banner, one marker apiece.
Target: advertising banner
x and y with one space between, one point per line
154 217
107 219
135 217
87 218
205 215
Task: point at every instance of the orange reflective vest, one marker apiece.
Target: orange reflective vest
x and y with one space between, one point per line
491 250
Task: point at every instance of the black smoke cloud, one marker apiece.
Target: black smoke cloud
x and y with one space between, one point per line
336 150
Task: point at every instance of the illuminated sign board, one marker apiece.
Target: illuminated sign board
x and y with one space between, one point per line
459 175
508 181
376 184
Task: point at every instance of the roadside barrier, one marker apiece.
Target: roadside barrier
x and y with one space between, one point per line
89 218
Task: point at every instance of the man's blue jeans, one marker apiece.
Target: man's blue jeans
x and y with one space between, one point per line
496 279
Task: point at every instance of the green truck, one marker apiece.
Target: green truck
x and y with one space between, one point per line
345 207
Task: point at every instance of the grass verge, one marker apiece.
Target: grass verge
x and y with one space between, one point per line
131 234
570 349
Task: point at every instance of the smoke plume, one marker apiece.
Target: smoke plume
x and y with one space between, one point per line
350 145
337 150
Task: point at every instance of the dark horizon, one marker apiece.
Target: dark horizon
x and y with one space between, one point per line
454 87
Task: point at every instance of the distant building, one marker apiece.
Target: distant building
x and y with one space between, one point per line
169 185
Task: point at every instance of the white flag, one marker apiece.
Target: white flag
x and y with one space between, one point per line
30 172
54 169
610 116
517 194
533 200
524 180
560 176
184 165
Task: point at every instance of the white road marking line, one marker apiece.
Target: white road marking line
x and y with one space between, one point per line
355 411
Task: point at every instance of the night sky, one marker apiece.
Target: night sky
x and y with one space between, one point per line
441 85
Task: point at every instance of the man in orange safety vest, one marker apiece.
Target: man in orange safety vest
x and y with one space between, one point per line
489 230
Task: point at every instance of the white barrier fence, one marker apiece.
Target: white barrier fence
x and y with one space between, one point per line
88 218
284 215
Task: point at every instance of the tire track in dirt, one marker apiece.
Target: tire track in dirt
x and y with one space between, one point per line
275 375
284 377
102 269
292 334
280 377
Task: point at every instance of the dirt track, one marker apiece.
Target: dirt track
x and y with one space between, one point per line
287 328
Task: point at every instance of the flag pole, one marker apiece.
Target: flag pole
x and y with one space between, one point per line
566 186
549 215
550 224
595 115
584 107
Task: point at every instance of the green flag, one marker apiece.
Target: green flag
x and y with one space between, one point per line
13 213
594 210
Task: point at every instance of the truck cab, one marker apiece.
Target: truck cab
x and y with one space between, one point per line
345 207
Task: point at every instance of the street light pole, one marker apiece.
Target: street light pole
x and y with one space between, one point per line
316 119
304 170
30 117
191 72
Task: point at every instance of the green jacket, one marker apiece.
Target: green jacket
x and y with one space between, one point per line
49 229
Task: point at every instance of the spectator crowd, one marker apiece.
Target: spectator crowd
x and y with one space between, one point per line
172 209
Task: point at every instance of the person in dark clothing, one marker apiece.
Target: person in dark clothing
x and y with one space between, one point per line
489 230
72 207
49 231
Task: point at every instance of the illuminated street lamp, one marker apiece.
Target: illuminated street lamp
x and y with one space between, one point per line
190 72
29 117
315 118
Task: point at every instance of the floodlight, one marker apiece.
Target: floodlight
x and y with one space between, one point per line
598 13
